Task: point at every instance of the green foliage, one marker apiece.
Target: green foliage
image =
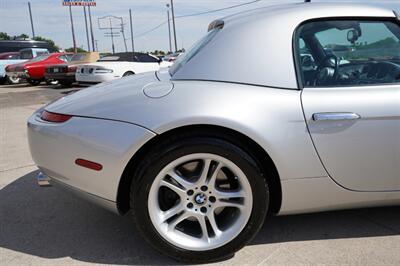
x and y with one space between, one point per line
78 49
22 36
4 36
386 43
51 42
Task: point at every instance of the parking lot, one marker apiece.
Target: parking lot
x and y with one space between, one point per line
47 226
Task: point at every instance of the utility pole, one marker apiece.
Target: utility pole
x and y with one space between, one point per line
108 20
131 23
169 30
97 45
123 34
173 24
87 31
91 29
30 15
112 37
72 29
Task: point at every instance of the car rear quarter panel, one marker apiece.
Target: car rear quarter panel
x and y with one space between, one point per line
55 147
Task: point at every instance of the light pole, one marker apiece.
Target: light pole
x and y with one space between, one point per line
91 30
30 15
173 24
131 23
86 27
169 30
72 29
112 37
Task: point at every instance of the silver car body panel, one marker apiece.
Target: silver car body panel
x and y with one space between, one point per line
261 40
361 152
187 104
55 147
270 116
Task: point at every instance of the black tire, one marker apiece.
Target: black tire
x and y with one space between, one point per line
168 151
34 82
65 83
3 80
128 73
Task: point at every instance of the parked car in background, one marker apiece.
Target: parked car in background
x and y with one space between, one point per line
33 70
65 73
118 65
18 45
9 55
171 57
200 154
11 58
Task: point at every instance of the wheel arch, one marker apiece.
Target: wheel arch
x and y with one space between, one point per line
128 71
259 154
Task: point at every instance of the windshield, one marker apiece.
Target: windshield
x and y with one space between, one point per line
195 49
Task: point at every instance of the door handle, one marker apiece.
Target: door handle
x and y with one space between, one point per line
335 116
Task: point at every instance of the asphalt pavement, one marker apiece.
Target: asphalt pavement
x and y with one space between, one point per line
47 226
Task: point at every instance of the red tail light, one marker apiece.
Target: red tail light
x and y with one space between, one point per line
72 68
54 117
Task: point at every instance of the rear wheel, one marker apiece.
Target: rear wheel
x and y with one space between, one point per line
65 83
34 82
199 199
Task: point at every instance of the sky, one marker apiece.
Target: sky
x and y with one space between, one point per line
51 20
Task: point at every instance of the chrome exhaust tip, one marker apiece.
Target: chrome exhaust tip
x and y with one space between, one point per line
43 180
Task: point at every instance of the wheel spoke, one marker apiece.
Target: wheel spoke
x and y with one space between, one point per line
213 223
180 180
230 194
171 212
173 187
202 221
213 177
184 215
203 177
229 203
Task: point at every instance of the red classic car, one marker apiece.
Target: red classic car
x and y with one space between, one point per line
33 70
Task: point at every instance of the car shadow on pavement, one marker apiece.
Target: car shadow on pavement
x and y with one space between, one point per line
50 223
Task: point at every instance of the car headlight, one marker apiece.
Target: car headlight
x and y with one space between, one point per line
103 71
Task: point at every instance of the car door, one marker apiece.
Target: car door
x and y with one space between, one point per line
351 99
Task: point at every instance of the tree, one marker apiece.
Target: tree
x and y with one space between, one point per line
78 49
4 36
22 36
51 42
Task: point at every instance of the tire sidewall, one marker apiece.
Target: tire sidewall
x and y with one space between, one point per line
158 159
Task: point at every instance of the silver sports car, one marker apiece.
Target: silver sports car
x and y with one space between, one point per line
202 152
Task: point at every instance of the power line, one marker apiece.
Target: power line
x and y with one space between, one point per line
193 15
217 10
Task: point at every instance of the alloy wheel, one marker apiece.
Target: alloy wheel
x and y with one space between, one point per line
200 201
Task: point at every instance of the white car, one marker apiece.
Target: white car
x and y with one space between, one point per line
118 65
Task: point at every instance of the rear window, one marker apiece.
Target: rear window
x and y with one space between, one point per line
26 54
145 58
109 58
192 52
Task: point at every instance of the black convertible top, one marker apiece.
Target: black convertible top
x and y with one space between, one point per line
129 57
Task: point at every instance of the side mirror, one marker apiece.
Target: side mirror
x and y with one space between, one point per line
352 36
